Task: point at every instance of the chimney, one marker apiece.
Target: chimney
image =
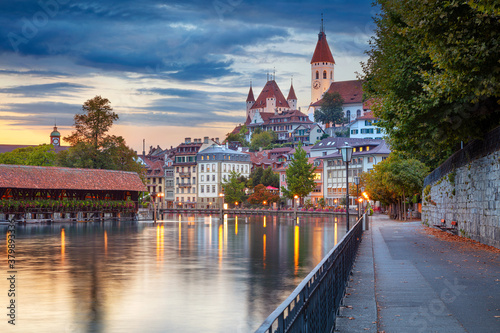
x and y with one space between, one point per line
187 140
205 139
217 140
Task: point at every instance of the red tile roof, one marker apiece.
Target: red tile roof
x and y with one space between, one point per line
291 93
271 89
322 52
250 97
351 91
54 178
367 116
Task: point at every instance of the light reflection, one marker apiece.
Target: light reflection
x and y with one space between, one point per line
264 221
105 242
220 246
63 244
296 250
236 225
180 233
297 220
335 234
160 242
264 250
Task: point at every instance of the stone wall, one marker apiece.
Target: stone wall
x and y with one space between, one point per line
468 194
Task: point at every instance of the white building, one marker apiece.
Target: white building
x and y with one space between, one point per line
365 155
365 127
214 164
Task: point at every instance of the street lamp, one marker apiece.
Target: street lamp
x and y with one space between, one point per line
360 203
221 195
356 181
346 157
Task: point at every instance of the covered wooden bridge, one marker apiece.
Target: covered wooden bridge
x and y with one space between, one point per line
33 188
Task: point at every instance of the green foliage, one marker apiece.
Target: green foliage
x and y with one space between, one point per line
262 140
331 109
239 137
393 178
92 147
234 188
47 205
269 178
299 175
42 155
434 74
451 177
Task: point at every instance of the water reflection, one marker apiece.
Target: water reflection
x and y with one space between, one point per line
183 274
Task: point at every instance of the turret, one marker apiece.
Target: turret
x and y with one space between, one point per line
292 98
250 100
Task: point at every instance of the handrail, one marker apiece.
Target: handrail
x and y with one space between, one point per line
313 305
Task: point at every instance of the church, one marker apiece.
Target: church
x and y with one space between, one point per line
271 111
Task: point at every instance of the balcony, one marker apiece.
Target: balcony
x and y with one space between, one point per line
185 174
185 185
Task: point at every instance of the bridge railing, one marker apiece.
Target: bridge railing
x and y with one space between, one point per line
313 305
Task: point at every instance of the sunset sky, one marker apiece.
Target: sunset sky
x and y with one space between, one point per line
171 69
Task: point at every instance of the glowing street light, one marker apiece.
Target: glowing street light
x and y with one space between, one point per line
346 157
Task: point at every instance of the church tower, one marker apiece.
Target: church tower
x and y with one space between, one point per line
322 64
292 98
55 137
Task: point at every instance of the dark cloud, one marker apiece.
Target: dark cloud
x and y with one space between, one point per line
41 114
48 89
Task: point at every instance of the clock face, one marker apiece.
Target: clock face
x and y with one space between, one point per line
55 141
316 84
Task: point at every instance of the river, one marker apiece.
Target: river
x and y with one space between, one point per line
185 274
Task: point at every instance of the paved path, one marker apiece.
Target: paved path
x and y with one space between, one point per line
406 280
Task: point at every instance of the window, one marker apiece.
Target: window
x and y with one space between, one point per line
213 178
202 189
379 130
177 169
182 190
177 180
202 178
177 190
202 167
324 74
213 189
189 189
317 75
348 115
224 167
370 159
213 167
358 113
208 167
368 122
194 180
331 75
194 168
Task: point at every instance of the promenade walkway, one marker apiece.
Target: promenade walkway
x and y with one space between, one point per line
408 278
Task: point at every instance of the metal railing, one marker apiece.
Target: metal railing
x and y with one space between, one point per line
313 305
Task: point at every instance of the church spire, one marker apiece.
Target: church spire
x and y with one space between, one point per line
250 97
291 93
322 52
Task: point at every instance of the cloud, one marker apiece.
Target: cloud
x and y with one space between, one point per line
33 73
48 89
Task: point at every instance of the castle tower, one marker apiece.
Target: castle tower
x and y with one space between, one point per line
292 98
322 64
250 101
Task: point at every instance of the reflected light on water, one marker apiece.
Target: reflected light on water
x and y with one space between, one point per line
264 250
220 245
63 244
105 242
160 242
264 221
296 249
236 225
336 235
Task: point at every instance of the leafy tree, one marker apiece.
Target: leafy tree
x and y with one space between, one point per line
240 136
395 179
261 194
299 175
262 140
255 177
269 178
42 155
234 188
331 109
92 146
434 74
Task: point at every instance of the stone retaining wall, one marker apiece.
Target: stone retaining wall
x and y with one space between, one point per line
469 195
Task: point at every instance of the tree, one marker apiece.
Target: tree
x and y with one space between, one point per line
239 137
299 175
269 178
434 74
395 179
234 188
261 194
255 177
92 146
262 140
331 109
42 155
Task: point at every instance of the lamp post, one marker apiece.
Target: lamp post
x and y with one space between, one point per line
153 196
346 157
356 181
360 205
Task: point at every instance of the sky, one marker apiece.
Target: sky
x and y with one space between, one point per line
171 69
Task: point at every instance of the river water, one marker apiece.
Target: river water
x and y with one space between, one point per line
185 274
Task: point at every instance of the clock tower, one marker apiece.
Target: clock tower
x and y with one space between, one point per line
55 137
322 64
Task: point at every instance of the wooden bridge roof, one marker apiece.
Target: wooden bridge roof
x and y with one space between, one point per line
52 178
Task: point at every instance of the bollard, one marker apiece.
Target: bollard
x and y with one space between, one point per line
366 222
